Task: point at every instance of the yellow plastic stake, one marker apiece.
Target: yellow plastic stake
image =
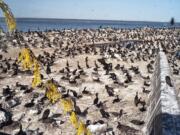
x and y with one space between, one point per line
10 21
88 132
74 120
67 104
37 76
26 57
81 129
52 92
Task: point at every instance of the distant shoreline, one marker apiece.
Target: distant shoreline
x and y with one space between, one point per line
43 24
92 20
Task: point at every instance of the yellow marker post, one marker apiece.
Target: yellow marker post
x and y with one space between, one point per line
36 76
67 104
52 92
10 20
74 120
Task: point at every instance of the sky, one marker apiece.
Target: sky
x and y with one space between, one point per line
127 10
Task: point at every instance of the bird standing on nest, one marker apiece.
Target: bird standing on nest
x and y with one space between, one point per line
67 63
96 99
86 60
116 100
79 67
48 69
136 99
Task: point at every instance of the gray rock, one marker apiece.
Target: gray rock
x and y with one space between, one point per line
14 102
5 118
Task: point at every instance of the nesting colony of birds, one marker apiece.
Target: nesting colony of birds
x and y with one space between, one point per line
106 72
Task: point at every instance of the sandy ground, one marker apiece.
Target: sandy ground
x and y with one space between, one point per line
126 95
51 41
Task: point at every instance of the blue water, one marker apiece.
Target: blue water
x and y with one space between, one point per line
25 24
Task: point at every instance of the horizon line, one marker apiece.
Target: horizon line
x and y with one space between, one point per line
85 19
